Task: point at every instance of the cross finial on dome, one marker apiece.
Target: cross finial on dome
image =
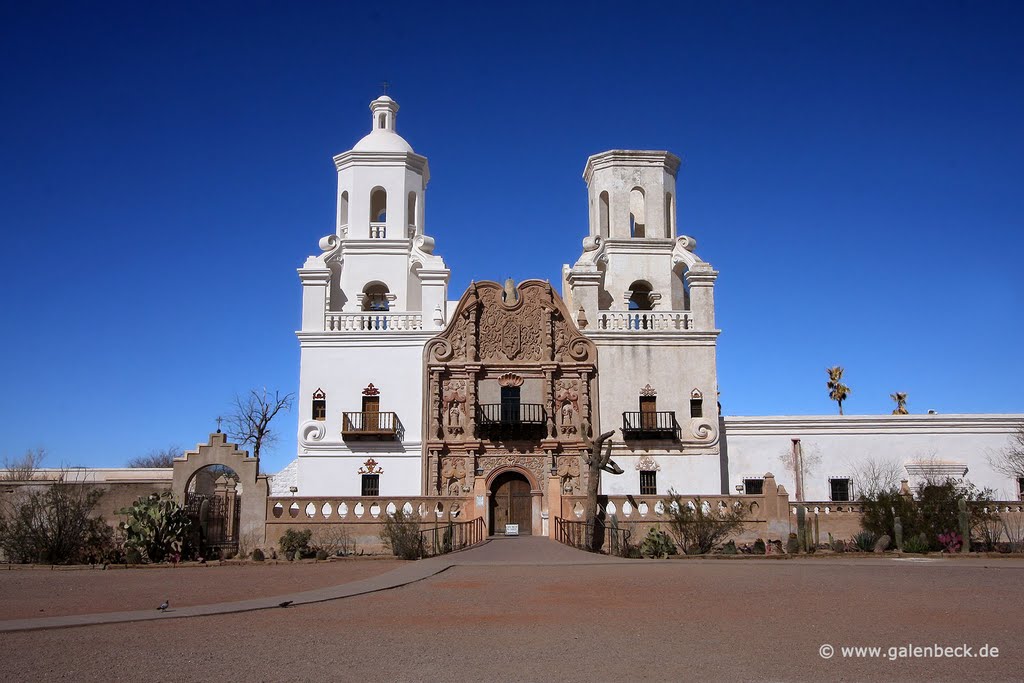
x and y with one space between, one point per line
384 85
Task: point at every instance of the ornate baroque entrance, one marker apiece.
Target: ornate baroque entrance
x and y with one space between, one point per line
511 503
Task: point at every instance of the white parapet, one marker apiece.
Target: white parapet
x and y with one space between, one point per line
373 321
643 321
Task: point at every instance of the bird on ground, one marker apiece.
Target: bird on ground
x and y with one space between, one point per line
286 603
164 605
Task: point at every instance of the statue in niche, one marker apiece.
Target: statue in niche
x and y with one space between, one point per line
454 398
567 397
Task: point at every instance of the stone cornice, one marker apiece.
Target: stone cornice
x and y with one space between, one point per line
396 338
661 339
408 159
874 424
633 157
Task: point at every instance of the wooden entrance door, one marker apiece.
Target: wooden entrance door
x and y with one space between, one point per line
511 503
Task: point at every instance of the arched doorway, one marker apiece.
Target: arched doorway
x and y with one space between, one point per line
511 503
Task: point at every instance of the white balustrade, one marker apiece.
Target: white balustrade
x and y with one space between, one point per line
644 321
372 321
378 231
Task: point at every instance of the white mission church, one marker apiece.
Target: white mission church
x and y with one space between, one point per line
496 394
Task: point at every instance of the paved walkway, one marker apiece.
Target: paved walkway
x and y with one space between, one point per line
522 550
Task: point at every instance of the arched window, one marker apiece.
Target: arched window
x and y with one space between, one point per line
640 296
378 205
376 297
343 209
381 121
319 405
602 214
637 213
412 214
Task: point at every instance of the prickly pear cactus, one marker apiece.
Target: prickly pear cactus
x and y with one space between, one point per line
157 527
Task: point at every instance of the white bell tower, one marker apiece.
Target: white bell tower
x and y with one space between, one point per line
647 301
370 302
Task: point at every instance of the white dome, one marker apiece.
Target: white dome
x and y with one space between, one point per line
382 141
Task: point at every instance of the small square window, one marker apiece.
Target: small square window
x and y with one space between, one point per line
696 407
839 489
753 487
371 485
648 483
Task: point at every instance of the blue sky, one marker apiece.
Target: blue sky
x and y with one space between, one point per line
853 170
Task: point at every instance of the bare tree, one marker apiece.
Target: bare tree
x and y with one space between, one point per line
23 468
597 461
250 417
1010 460
160 458
875 475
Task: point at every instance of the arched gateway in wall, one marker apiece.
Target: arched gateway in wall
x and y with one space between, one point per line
508 406
251 517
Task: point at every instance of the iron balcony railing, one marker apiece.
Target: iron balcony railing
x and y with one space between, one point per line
650 425
372 426
510 419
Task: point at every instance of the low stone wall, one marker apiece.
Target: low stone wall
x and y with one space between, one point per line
766 514
360 519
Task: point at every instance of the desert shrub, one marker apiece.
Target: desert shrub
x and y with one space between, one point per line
865 540
657 544
759 547
729 548
295 544
257 555
932 511
334 539
699 527
54 524
401 535
158 528
916 544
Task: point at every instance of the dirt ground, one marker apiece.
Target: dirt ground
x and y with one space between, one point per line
682 620
42 592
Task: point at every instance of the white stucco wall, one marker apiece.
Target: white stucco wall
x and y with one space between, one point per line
752 446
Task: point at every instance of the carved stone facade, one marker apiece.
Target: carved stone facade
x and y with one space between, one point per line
500 340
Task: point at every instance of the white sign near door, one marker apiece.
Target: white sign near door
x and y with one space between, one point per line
511 529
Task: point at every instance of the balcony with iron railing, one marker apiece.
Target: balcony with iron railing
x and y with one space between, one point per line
510 420
380 426
650 425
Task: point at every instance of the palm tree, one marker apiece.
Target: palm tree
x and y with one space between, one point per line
837 391
901 403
